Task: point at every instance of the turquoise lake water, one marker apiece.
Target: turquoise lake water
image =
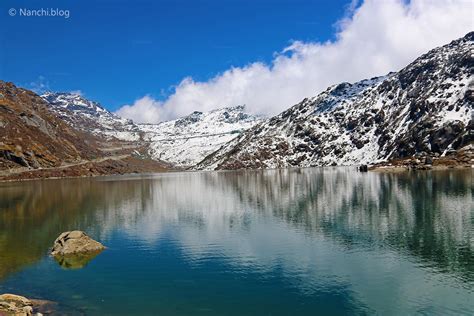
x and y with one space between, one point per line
316 241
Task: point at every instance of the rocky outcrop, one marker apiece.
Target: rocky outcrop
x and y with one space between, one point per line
75 243
16 305
31 136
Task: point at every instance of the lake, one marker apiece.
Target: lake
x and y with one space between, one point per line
326 241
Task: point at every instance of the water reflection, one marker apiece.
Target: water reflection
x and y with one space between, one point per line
76 261
388 238
33 214
429 215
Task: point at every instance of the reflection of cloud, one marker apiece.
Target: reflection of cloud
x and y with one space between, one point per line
305 199
382 238
312 200
320 227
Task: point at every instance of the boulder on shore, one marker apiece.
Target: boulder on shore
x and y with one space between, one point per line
74 243
16 305
11 304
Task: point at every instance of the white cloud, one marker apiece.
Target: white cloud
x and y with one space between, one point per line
375 38
40 85
78 92
144 110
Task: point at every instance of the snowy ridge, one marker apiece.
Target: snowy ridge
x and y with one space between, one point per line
188 140
182 142
424 108
90 116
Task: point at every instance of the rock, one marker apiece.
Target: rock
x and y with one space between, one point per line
445 135
16 305
422 167
363 168
14 157
428 160
44 307
75 242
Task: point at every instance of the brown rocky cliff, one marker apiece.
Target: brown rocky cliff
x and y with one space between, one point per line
31 136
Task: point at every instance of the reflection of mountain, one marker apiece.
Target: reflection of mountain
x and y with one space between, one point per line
33 214
426 214
320 226
311 223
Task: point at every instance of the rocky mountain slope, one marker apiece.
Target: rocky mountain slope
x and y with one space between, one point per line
91 117
32 136
424 109
182 142
37 142
188 140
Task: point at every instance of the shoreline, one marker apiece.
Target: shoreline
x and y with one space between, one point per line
107 167
395 169
387 167
461 159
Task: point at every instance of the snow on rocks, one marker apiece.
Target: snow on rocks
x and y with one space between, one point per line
91 117
424 108
186 141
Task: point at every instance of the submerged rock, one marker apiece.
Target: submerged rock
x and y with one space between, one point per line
74 243
11 304
45 307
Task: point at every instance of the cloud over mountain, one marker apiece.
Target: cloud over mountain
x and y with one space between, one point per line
374 38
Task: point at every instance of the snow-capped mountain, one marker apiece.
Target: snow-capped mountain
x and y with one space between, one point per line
424 108
90 116
182 142
188 140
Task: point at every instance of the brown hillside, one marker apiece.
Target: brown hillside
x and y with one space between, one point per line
31 136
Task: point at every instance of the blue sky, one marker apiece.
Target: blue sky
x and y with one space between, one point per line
116 52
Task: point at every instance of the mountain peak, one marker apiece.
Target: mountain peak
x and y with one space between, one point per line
469 36
90 116
186 141
423 109
74 102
